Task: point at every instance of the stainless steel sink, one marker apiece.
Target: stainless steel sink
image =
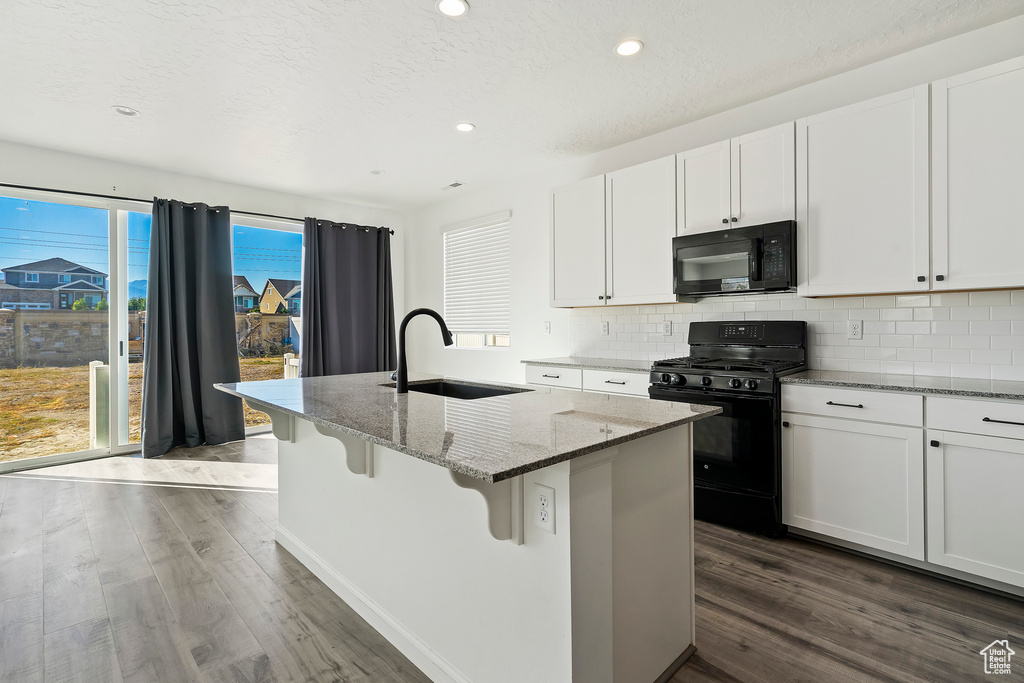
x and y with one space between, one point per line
463 391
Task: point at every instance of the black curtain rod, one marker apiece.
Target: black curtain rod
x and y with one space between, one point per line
144 201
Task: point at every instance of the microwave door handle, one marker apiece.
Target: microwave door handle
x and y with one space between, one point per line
755 260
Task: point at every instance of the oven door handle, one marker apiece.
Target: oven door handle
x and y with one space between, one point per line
756 257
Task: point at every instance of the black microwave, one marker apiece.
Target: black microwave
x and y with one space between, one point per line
758 258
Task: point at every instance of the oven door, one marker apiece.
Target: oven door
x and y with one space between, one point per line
738 449
728 266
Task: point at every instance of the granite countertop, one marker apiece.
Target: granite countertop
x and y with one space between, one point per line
492 439
917 384
594 363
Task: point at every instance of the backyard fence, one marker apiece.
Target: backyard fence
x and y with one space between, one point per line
52 338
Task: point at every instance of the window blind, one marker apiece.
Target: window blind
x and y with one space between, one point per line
476 277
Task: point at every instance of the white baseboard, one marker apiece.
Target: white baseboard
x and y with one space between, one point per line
436 667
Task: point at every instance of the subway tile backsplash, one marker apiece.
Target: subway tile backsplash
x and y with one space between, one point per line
959 334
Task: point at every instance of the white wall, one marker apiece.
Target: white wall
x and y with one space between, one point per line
38 167
527 198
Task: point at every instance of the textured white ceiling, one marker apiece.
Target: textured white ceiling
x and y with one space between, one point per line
308 96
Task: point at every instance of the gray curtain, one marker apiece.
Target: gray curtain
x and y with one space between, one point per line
348 309
190 330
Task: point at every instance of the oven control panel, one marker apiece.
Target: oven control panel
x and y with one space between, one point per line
695 383
735 331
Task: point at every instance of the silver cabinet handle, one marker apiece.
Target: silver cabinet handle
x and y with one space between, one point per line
608 381
551 376
845 405
1002 422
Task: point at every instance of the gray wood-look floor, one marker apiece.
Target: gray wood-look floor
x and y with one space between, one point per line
111 582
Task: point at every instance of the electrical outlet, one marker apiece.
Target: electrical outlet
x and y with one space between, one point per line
666 328
855 329
544 508
604 327
547 327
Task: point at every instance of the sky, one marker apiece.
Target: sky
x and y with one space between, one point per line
33 231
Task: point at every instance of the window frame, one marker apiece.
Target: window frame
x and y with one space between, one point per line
31 277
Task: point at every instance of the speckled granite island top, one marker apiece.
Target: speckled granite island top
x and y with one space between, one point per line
492 439
593 363
917 384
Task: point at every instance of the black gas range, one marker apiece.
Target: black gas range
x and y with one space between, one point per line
737 455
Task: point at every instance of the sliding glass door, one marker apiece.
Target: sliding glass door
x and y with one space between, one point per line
55 328
73 296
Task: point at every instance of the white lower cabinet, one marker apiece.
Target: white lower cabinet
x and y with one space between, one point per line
589 379
858 481
976 505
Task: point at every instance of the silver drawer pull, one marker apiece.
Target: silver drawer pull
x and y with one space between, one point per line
845 405
608 381
551 376
1002 422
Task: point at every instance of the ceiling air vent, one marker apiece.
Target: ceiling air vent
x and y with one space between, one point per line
452 186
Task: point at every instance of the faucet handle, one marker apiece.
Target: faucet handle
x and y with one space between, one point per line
394 376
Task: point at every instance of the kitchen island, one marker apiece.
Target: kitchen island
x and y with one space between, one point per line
538 535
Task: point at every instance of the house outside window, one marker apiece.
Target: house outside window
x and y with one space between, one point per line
31 277
63 279
477 282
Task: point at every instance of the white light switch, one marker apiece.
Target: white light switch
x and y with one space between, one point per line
544 508
547 327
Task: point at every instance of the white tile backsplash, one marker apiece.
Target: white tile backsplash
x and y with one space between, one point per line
959 334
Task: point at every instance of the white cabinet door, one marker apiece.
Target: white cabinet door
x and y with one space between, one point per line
702 191
641 224
862 197
578 244
977 178
858 481
764 176
975 506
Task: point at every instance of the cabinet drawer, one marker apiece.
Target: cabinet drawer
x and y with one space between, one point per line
612 382
568 378
967 415
873 406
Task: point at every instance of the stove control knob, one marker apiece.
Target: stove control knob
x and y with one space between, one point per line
672 378
678 379
735 383
706 381
751 384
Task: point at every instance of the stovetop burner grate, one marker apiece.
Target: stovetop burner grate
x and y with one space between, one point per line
763 365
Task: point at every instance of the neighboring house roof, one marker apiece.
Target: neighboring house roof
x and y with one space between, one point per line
241 281
81 285
286 288
54 265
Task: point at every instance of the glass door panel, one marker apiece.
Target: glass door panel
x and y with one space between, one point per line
54 329
268 296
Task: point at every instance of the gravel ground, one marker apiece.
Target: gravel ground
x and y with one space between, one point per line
46 410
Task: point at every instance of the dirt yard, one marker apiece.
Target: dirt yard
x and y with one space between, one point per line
46 410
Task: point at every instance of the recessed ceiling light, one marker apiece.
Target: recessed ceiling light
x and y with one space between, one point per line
125 111
377 171
464 126
452 8
629 47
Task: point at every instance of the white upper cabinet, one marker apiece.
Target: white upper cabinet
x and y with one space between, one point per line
763 176
978 177
641 214
702 190
578 244
747 180
862 197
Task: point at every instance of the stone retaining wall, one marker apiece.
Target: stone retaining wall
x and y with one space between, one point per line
53 338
